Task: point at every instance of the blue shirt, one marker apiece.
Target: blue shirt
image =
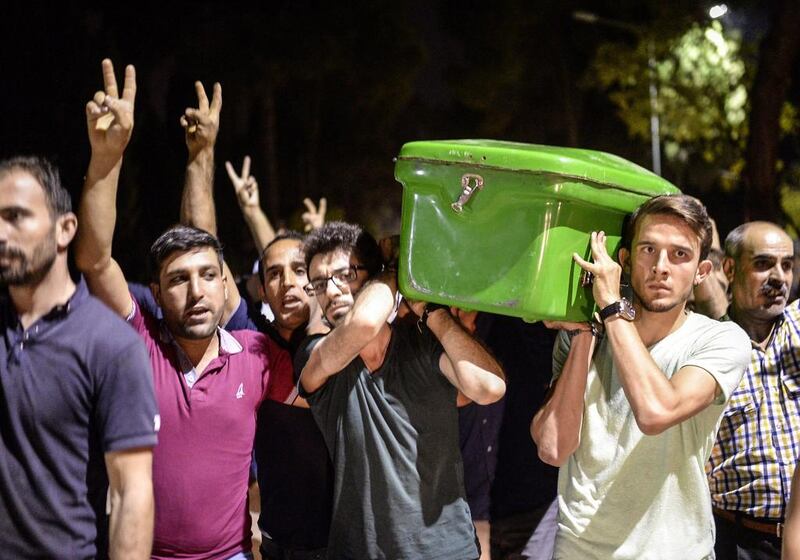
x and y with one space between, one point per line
75 385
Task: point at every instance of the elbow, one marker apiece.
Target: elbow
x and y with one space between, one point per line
492 392
553 454
551 451
652 423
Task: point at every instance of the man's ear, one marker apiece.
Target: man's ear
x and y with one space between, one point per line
729 268
624 258
704 268
66 227
156 291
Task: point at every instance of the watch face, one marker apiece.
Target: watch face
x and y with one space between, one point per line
626 310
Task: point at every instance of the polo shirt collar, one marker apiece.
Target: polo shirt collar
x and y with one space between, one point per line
227 343
78 297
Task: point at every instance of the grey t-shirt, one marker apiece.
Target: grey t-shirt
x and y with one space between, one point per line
629 496
393 438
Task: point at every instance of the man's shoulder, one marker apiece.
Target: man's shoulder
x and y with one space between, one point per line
697 324
97 323
258 345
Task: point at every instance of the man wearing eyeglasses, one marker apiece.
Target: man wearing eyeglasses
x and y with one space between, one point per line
384 397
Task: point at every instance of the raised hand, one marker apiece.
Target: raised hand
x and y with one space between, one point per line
201 125
245 185
605 271
314 217
109 118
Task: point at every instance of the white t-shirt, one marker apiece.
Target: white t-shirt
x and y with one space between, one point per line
623 494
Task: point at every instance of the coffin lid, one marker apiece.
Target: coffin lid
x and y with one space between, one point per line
588 165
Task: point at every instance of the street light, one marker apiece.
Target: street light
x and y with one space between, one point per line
716 12
639 32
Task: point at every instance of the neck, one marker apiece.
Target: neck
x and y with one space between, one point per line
758 329
374 353
654 326
200 351
32 301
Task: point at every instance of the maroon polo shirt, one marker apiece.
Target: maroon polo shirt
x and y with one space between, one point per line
202 462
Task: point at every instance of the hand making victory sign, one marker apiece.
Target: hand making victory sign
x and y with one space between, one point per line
314 217
109 118
245 185
201 125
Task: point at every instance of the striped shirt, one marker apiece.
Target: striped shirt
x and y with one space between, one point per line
758 443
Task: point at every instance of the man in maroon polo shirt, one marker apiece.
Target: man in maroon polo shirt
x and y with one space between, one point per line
208 382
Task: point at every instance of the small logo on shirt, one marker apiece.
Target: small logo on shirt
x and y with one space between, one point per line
156 422
240 391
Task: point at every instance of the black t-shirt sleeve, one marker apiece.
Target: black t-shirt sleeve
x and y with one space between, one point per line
301 358
125 407
241 319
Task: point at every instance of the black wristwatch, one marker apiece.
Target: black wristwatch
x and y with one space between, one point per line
621 308
430 308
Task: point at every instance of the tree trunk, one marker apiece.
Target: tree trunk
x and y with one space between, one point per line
776 57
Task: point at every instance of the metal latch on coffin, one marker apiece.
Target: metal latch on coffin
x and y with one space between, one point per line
470 184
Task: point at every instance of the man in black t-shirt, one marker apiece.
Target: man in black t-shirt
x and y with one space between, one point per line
384 397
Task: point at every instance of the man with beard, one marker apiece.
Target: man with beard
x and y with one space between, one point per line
292 467
752 463
384 397
76 393
208 382
631 422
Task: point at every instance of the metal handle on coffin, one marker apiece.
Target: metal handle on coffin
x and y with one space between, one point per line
467 190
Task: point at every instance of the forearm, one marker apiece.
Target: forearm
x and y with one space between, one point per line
97 214
131 522
361 325
260 228
556 427
476 373
197 201
653 399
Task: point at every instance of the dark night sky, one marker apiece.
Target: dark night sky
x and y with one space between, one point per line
346 86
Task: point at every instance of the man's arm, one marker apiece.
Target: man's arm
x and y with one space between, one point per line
109 120
246 188
131 491
465 363
201 126
370 311
556 427
657 403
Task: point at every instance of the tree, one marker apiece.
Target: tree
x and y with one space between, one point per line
776 60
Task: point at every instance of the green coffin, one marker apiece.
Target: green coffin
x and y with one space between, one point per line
491 226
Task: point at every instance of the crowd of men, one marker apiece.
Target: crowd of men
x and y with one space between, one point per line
138 419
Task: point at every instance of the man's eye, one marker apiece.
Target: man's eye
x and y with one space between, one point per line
680 254
211 275
300 271
175 280
272 275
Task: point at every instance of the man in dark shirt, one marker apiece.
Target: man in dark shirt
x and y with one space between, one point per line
384 397
76 393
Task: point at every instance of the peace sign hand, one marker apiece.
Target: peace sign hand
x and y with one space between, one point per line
605 271
245 185
109 118
201 125
314 217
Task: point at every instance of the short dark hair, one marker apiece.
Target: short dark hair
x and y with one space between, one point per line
687 208
46 174
343 236
180 239
288 234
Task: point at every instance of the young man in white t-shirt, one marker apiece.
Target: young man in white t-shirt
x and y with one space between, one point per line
633 413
